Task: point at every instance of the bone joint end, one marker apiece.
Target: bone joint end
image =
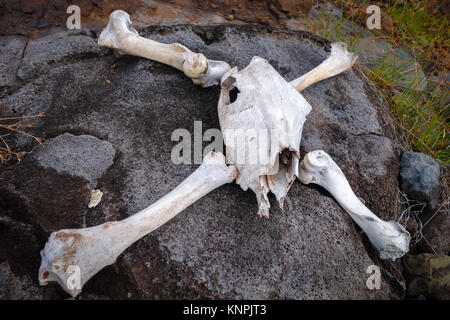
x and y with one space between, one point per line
119 35
72 256
340 60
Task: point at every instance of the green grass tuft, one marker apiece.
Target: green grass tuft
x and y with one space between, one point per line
421 28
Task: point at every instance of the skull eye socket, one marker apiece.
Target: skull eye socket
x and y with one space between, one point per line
229 92
233 94
285 156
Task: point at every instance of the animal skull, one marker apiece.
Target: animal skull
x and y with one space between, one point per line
266 103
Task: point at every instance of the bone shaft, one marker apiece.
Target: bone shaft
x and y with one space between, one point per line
91 249
122 234
388 237
170 54
340 60
317 74
323 71
205 179
347 199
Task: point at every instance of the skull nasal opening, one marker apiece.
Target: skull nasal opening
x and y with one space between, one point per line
233 94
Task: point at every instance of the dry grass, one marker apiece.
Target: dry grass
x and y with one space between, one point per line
15 125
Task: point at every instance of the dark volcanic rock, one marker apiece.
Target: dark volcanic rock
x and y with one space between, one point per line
419 177
11 49
57 45
436 232
429 275
13 287
218 247
84 156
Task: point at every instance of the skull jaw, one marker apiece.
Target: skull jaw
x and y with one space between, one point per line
278 183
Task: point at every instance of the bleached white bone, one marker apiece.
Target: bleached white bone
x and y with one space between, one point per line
81 253
264 103
388 237
121 36
96 197
340 60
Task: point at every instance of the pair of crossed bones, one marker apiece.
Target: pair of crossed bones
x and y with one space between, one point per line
265 101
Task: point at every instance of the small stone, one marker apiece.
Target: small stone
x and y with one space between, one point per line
96 197
419 177
329 10
10 56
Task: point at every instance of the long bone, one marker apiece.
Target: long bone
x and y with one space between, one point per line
340 60
91 249
388 237
121 36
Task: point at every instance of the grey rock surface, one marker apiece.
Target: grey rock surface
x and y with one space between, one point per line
218 247
327 9
11 49
56 46
419 177
13 287
429 275
84 156
436 232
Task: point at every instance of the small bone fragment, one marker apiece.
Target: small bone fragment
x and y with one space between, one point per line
91 249
121 36
265 103
389 238
96 197
340 60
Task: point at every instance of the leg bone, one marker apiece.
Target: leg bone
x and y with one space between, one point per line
121 36
340 60
91 249
389 238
